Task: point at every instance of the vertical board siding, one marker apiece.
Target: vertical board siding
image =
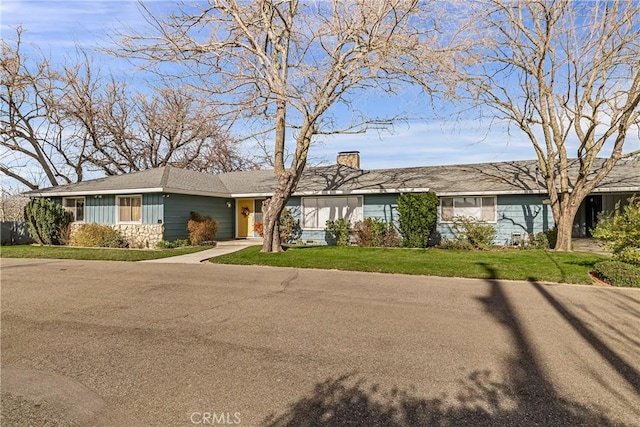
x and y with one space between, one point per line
100 210
152 208
381 206
176 215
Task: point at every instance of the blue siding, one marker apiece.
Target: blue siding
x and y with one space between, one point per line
101 210
522 214
152 208
176 215
383 206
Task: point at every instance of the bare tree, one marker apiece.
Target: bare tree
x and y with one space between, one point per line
294 64
34 138
169 126
562 71
60 122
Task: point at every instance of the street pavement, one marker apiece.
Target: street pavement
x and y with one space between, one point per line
139 344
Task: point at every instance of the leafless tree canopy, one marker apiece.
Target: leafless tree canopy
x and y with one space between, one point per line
561 71
299 65
34 143
60 122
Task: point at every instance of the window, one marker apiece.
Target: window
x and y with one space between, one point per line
129 209
480 208
316 211
74 205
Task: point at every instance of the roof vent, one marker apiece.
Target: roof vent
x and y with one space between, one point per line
349 158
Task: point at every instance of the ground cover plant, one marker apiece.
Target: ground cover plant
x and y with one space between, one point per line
532 265
65 252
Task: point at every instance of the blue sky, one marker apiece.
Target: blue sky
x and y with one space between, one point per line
57 26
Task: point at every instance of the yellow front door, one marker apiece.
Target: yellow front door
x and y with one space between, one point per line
245 216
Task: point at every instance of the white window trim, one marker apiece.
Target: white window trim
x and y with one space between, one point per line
495 207
84 213
124 196
323 226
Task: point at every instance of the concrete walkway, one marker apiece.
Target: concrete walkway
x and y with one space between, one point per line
222 248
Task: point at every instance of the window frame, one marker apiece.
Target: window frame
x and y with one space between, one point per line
359 206
481 197
131 196
75 207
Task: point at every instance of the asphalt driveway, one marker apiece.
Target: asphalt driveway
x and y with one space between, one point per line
108 343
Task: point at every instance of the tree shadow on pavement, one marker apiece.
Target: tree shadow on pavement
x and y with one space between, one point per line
525 398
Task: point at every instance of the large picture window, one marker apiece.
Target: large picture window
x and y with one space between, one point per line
480 208
74 205
316 211
129 209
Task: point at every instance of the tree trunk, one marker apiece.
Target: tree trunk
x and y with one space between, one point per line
564 225
272 208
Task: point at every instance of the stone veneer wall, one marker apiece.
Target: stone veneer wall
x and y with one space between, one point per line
141 235
138 235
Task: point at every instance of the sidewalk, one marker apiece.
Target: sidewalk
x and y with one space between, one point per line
222 248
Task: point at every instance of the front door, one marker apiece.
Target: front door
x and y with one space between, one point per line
245 217
593 206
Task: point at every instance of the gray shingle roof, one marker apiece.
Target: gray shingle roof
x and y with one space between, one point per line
514 177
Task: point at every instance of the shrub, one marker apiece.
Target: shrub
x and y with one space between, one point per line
417 216
178 243
629 255
201 228
97 235
375 232
618 273
290 230
46 221
621 233
340 229
478 233
552 237
455 244
536 241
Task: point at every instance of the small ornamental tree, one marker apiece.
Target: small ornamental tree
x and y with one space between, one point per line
417 216
621 233
46 220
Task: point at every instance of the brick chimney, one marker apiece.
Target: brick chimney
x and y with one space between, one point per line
349 158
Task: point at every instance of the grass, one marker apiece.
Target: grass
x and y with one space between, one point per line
532 265
65 252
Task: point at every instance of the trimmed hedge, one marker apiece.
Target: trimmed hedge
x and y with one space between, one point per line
618 273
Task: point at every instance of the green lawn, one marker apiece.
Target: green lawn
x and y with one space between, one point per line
65 252
533 265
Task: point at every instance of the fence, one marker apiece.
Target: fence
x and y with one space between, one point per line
14 233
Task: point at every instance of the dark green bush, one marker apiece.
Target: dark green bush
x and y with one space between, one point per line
46 221
552 237
340 230
618 273
201 228
97 235
479 234
417 216
178 243
374 232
